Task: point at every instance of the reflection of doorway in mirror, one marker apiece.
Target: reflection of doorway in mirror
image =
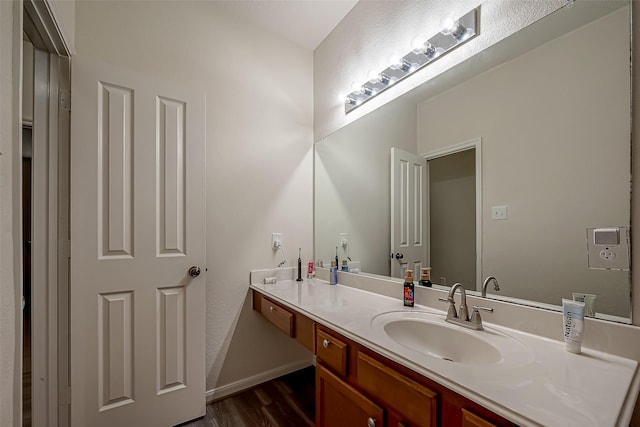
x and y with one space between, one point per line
454 215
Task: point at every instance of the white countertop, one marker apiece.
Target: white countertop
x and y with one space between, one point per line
549 386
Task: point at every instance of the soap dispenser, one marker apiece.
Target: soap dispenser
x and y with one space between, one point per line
408 289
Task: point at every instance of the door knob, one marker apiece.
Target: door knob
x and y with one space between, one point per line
399 255
194 271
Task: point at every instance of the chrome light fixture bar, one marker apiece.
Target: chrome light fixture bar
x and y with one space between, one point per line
453 33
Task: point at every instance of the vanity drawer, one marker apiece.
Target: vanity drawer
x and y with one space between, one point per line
469 419
332 352
417 404
278 315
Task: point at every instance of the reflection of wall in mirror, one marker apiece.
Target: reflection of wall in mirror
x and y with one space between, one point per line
348 169
452 218
560 166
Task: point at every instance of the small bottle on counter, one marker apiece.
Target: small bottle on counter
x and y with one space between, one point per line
310 270
408 289
333 273
345 266
425 278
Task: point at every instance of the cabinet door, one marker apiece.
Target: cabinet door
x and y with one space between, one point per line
340 405
469 419
415 404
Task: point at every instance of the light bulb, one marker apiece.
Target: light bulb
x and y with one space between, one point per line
399 63
355 87
450 26
396 62
373 76
418 44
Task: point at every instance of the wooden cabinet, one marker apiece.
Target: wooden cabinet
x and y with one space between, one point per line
357 387
288 321
340 405
407 399
415 404
469 419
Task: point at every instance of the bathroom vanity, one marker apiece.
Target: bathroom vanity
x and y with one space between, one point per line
382 364
356 386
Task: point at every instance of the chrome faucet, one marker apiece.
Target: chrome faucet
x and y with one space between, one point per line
462 318
496 286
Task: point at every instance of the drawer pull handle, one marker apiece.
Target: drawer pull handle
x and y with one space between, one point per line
371 422
325 343
271 308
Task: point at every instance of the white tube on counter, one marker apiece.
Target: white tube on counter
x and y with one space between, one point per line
573 324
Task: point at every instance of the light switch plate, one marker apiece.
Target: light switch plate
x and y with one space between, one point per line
608 256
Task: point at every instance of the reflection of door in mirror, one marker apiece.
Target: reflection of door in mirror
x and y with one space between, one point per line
408 212
452 218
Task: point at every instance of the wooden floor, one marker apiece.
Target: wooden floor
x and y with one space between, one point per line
288 401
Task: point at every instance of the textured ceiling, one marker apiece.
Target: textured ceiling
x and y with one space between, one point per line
304 22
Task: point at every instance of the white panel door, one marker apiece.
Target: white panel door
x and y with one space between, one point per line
408 213
137 226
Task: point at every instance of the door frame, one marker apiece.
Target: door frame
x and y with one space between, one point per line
50 227
476 144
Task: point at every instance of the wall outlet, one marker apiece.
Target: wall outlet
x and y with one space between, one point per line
276 240
343 239
604 253
443 281
499 212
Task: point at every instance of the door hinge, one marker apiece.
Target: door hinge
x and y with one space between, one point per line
64 397
65 101
64 248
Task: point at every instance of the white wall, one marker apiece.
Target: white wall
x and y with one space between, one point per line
259 152
452 218
572 154
10 241
373 31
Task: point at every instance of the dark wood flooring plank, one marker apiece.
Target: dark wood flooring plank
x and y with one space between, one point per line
288 401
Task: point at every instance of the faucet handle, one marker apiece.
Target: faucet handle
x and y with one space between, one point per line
475 316
451 312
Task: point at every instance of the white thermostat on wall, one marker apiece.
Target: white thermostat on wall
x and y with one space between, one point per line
608 248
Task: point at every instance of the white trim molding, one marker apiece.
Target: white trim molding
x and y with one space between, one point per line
252 381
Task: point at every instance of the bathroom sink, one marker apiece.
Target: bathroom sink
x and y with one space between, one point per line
430 335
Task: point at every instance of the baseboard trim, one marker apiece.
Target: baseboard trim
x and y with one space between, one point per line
240 385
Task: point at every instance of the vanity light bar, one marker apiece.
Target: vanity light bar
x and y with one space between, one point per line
453 34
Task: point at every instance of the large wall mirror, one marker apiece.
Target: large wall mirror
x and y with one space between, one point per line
525 146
